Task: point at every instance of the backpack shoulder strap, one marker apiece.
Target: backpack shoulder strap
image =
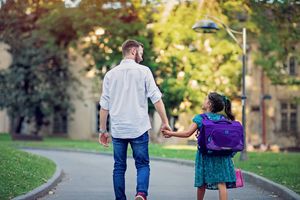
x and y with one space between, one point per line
204 116
223 117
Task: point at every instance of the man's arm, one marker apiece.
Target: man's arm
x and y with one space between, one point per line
103 135
103 119
155 96
104 103
160 108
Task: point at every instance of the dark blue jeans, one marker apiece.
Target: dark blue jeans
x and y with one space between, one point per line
139 148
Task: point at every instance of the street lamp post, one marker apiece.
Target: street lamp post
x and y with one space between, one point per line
209 26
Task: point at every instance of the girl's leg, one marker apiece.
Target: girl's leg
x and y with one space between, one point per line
200 192
222 191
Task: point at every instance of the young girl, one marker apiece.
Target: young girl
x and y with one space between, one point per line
211 172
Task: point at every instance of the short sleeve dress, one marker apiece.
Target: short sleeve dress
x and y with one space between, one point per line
211 170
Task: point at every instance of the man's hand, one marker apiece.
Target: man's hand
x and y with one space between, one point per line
165 127
103 139
160 108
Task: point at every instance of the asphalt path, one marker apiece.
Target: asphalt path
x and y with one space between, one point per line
88 176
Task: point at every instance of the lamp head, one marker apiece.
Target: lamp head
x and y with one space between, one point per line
205 26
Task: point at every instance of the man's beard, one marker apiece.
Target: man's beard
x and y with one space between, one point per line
137 59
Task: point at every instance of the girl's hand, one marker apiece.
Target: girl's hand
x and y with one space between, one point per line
167 133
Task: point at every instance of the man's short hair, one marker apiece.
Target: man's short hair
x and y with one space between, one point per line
128 44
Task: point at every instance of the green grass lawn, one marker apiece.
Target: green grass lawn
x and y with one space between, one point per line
279 167
21 172
282 168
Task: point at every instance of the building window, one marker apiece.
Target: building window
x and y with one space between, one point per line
284 122
255 108
289 117
60 123
292 66
293 121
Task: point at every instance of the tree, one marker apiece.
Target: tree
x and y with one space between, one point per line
40 33
191 64
186 65
115 22
278 38
36 84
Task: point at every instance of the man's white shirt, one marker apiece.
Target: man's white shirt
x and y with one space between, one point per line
125 92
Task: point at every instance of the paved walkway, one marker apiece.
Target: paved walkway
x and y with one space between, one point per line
89 176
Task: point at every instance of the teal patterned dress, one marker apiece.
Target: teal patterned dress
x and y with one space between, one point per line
211 170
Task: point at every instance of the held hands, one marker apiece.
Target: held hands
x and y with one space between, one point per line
103 139
167 133
166 130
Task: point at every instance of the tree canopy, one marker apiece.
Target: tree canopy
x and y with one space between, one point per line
187 65
278 37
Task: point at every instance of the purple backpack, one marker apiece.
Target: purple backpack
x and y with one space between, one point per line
220 137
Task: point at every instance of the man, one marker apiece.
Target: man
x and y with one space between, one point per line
125 92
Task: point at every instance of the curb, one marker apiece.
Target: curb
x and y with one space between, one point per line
269 185
250 177
44 188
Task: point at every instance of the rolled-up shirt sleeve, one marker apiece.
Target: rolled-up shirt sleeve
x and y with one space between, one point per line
104 99
152 90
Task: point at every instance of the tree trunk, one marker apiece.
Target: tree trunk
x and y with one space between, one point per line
18 125
39 118
11 125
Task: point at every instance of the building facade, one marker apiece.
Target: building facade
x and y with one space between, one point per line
273 115
273 111
5 61
84 122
